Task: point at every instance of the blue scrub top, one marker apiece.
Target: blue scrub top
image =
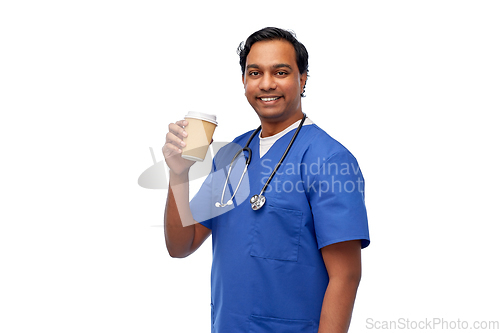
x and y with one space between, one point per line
268 273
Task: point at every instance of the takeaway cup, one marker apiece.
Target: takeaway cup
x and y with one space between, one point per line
200 129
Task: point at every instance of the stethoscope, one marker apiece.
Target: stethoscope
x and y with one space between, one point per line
257 200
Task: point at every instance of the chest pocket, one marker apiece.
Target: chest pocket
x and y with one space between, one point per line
276 233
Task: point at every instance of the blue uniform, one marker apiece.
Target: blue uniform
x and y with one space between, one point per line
268 273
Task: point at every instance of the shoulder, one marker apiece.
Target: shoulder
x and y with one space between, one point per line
320 144
242 139
225 152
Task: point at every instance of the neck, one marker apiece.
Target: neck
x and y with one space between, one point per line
270 128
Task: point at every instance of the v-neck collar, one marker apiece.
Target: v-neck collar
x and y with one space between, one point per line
265 144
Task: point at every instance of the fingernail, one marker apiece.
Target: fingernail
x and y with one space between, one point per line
184 133
183 144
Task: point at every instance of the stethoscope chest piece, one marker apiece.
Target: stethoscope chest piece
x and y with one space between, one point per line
257 201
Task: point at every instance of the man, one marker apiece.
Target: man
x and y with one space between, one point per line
293 265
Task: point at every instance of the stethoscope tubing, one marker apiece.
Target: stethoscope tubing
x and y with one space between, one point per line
257 200
247 162
283 156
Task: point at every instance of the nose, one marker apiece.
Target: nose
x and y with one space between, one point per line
267 82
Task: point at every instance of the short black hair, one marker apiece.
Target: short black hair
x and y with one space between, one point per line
270 33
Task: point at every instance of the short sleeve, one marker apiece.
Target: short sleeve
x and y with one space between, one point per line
200 204
337 201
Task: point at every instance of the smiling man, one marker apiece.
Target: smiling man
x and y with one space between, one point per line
274 84
290 259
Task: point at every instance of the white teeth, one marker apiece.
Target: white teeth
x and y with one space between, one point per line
269 99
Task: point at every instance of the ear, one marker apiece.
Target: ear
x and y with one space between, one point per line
303 79
243 78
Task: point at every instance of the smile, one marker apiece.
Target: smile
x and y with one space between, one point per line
268 99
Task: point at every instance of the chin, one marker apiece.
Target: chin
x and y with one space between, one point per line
270 115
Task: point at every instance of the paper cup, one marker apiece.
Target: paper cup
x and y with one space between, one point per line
200 129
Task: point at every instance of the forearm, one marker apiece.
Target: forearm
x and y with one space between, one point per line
338 304
179 223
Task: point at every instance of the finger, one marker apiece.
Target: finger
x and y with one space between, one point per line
175 133
176 141
178 128
170 150
182 123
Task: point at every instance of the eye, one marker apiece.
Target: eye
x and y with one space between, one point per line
254 73
281 73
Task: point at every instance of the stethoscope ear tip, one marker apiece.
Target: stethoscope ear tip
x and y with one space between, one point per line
218 204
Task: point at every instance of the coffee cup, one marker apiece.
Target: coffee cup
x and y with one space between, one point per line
200 130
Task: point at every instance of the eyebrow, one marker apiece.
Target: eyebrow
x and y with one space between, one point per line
274 66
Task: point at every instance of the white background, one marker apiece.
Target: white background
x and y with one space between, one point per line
86 87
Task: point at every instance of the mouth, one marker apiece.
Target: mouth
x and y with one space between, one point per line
269 99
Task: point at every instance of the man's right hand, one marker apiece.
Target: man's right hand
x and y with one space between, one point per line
173 148
183 235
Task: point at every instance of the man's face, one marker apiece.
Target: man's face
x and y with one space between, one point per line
272 81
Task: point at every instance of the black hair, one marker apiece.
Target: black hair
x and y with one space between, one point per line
269 33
